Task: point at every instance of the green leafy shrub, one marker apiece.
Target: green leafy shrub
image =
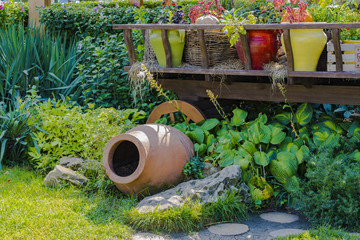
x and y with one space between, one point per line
193 168
330 193
104 81
326 11
263 10
273 150
70 131
94 19
321 233
13 13
16 130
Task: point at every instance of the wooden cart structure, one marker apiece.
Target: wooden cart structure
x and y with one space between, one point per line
301 86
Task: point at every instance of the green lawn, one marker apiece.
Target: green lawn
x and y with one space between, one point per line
28 210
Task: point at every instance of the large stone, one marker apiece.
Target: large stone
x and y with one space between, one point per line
72 163
208 169
64 174
205 190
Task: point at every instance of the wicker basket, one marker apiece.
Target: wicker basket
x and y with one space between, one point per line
217 44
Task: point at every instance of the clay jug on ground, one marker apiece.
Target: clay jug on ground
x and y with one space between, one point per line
147 158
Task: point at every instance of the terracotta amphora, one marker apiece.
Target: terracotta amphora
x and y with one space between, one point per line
147 158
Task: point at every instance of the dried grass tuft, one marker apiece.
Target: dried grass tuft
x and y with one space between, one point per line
278 73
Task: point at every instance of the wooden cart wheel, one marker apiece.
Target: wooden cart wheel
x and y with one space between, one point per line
191 112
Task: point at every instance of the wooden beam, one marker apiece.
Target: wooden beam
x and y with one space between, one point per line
246 26
337 49
167 47
246 51
263 92
130 45
255 73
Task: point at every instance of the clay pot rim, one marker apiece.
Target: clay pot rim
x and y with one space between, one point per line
109 151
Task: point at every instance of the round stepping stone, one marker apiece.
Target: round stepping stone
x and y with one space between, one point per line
279 217
355 234
285 232
147 236
229 229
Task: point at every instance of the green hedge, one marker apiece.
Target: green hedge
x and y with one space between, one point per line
13 13
94 19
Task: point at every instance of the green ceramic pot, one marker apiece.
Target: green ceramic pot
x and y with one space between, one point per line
177 42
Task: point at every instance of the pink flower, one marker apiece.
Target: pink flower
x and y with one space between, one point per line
99 6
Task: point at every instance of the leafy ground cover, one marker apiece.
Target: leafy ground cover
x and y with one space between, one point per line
28 210
321 233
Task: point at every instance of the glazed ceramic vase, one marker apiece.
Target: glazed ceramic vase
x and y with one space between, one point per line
147 158
177 42
307 45
263 46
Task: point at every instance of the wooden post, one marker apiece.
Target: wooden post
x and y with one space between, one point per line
34 19
289 54
246 51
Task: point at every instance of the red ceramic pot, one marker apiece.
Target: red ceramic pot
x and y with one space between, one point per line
263 46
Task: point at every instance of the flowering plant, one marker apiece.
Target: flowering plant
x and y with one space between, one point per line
294 11
171 13
204 8
13 13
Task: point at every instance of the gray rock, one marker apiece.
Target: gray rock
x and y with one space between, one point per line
209 169
64 174
72 163
205 190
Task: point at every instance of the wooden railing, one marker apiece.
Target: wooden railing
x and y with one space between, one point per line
349 95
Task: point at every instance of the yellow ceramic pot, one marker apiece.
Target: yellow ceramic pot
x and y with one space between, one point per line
307 45
350 52
177 43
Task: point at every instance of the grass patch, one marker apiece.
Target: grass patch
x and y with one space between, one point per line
180 219
191 216
28 210
321 233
